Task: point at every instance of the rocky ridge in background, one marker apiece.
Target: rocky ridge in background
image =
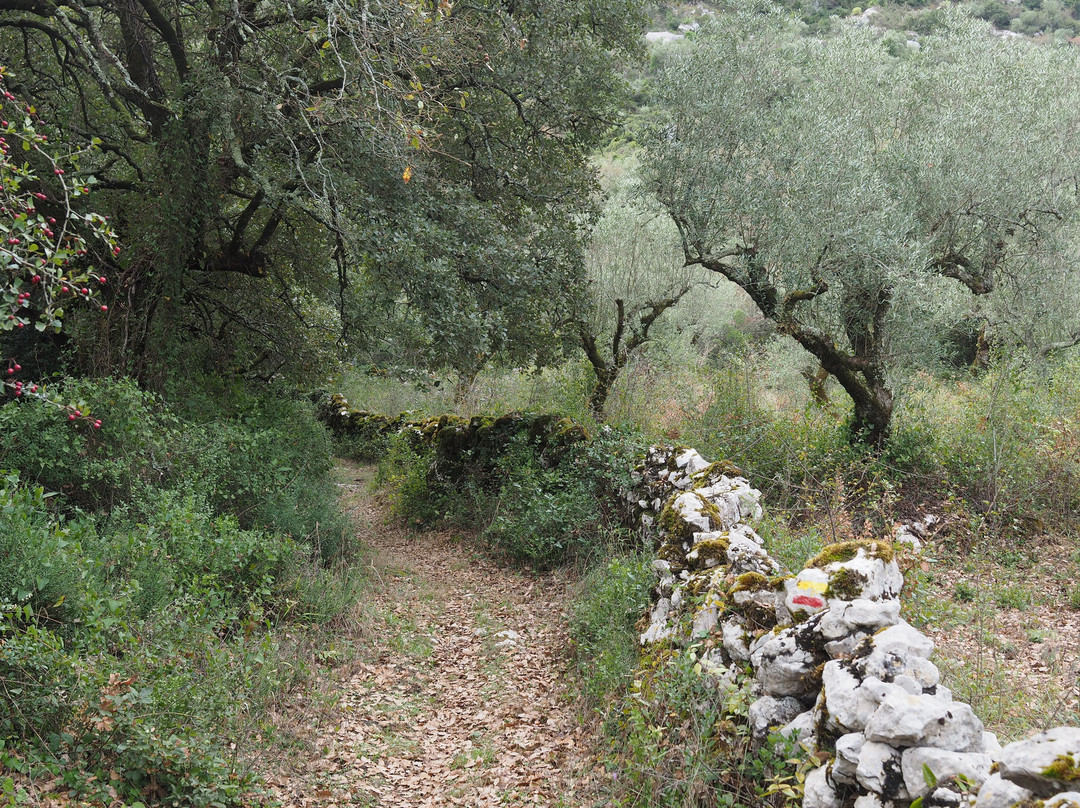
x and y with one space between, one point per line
834 664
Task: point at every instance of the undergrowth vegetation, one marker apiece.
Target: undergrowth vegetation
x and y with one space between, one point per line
149 573
534 508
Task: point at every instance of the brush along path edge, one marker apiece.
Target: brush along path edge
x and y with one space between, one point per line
461 698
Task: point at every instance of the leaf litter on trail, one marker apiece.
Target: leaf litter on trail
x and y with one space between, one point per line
442 709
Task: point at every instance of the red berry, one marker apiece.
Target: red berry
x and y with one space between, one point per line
11 371
84 291
36 279
63 288
18 366
104 308
101 279
71 417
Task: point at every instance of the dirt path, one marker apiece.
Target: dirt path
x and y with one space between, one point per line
460 697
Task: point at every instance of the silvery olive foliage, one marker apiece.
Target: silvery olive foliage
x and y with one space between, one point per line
846 188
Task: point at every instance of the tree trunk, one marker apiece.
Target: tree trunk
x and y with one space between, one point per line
605 380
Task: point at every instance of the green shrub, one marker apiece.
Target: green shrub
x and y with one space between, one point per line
613 598
93 468
417 494
208 557
544 516
41 567
266 460
677 739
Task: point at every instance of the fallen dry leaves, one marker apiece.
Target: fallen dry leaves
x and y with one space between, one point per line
462 698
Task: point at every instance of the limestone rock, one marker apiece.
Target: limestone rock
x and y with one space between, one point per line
733 632
818 792
904 639
848 701
803 729
975 766
848 749
867 575
1045 764
879 770
768 712
805 592
998 792
945 797
658 623
666 578
868 801
1066 799
783 667
904 719
746 554
706 617
847 623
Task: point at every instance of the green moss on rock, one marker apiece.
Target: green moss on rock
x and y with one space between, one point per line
845 584
1065 768
845 551
751 582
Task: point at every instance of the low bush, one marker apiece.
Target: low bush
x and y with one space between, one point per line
613 597
94 468
677 739
139 630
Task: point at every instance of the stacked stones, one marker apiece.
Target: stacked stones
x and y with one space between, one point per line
833 662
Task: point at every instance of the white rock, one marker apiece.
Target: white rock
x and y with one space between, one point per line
817 792
905 639
848 701
906 537
891 665
868 801
848 748
691 462
991 745
783 668
904 719
734 639
805 592
878 770
705 620
658 623
1023 762
690 507
745 553
1066 799
974 766
802 728
846 623
997 792
877 579
768 712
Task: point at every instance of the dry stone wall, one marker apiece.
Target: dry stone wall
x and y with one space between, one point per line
833 662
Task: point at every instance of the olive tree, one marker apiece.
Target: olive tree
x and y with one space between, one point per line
635 274
844 187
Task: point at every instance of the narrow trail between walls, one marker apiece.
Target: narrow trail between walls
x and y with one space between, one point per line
460 695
